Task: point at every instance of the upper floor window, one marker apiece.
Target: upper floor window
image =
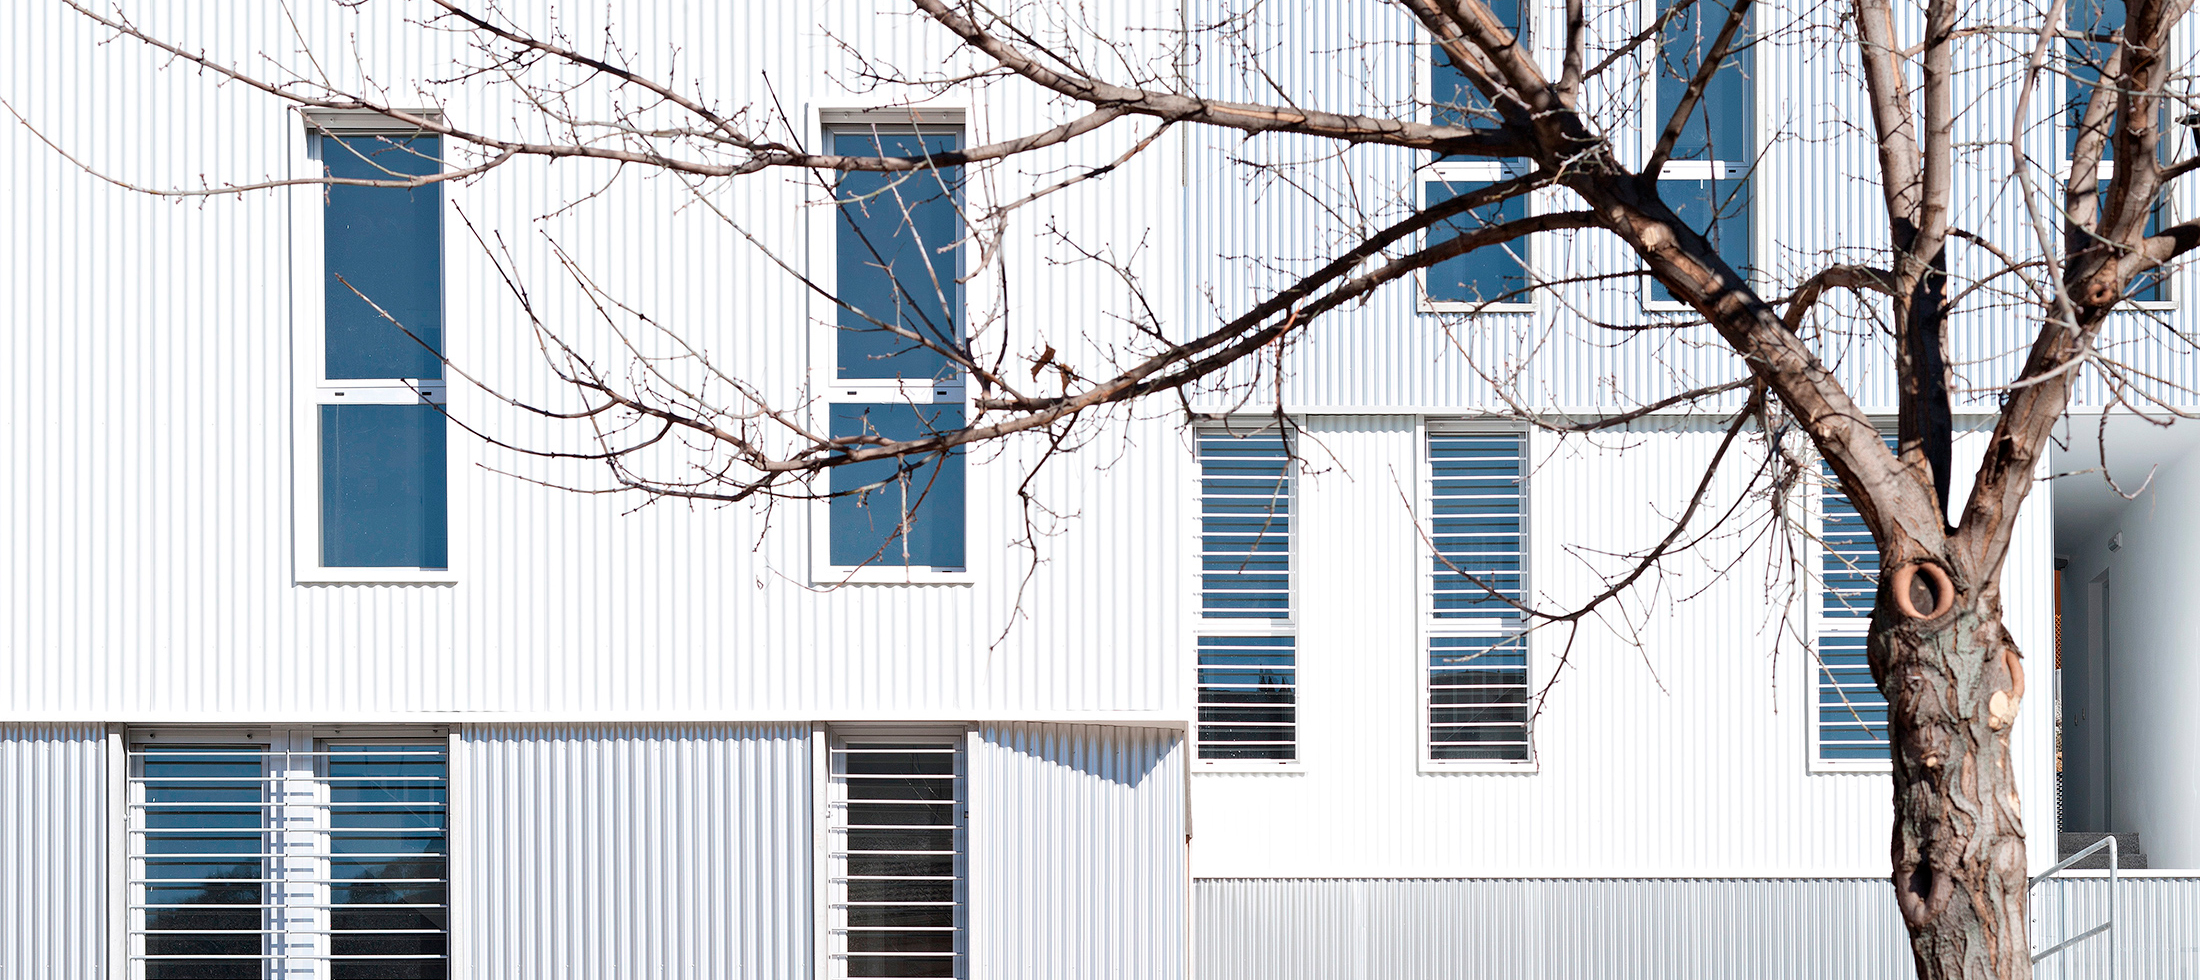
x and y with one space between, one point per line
1248 664
1852 713
2086 56
376 502
1476 681
1706 179
288 853
1493 278
1452 99
896 342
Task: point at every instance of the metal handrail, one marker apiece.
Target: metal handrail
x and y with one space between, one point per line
2114 860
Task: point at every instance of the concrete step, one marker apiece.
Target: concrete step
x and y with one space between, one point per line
2127 845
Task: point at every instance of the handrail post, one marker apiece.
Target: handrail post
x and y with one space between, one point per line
2114 861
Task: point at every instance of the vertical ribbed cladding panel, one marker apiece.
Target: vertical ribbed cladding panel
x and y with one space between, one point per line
1578 929
54 815
1077 852
179 316
1695 647
633 851
2157 930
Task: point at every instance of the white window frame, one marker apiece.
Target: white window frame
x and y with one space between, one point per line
1429 627
830 854
824 349
1822 626
312 389
1523 248
1751 166
303 906
1287 625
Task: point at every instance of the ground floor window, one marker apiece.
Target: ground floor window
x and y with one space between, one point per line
295 854
899 856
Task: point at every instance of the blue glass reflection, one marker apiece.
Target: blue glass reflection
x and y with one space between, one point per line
882 516
384 502
386 244
897 261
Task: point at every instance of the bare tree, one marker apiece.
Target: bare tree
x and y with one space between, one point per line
1938 648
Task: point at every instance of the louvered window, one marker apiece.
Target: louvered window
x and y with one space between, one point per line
1477 649
1248 666
1852 714
258 854
899 854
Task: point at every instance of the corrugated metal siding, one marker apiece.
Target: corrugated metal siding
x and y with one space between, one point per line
566 605
1077 852
2156 935
54 816
1624 929
623 851
1687 692
1577 929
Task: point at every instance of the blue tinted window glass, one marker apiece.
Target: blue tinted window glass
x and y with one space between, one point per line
896 260
1454 101
1248 694
386 244
1718 210
1495 273
2088 55
388 842
384 501
1475 484
204 821
1719 127
1852 713
898 511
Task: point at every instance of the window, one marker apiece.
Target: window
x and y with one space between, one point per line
1706 180
896 341
1488 279
899 854
289 854
1454 101
1248 664
1852 714
1493 279
2086 56
374 501
1476 641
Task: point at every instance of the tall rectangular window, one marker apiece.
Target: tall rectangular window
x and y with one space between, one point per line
1248 664
1852 714
2086 54
898 345
1476 643
379 500
1706 180
281 854
899 857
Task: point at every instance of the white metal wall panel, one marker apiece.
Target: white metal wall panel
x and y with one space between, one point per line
2156 931
618 851
1689 690
1576 929
54 817
566 606
1077 852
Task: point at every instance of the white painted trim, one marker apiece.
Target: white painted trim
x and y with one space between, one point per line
118 854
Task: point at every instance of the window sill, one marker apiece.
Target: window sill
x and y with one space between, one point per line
1435 306
1828 768
1430 767
376 576
1666 306
891 575
1293 767
2129 306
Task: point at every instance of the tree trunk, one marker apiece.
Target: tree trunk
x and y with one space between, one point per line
1953 682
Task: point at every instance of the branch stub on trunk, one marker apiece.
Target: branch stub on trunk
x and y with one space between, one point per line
1921 586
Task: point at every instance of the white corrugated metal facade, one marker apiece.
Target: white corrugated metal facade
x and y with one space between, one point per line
55 811
640 698
1079 864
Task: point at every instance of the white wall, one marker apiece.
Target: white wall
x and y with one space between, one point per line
2148 681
